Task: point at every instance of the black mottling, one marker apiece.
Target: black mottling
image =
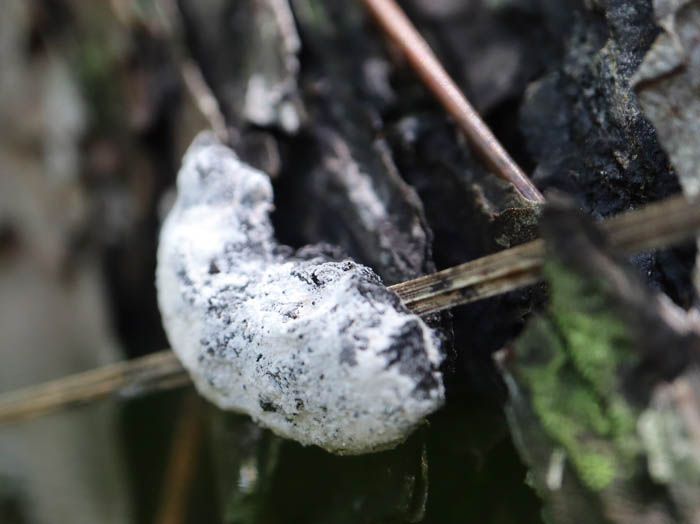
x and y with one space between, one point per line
378 293
222 344
293 314
347 355
303 277
267 406
468 292
441 285
346 325
362 343
279 380
407 351
188 293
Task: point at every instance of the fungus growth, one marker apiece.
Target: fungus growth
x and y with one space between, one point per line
311 346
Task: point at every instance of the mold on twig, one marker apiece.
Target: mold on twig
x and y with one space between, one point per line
653 226
313 347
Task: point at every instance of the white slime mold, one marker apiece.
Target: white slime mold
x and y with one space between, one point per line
314 349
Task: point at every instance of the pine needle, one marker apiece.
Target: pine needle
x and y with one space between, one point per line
397 25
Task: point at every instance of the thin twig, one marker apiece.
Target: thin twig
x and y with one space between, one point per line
131 378
480 278
397 25
653 226
656 225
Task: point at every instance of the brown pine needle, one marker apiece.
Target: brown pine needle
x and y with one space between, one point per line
130 378
654 226
397 25
480 278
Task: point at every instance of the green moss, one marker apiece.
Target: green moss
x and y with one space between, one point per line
569 362
596 471
595 337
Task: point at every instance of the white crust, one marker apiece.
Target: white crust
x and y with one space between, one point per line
314 349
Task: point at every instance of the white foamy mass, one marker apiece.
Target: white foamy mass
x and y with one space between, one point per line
316 349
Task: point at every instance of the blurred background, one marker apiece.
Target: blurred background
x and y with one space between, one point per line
98 102
94 123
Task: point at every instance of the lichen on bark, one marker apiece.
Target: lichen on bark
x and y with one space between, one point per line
587 381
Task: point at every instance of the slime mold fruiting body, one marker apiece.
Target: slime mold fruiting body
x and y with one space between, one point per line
316 349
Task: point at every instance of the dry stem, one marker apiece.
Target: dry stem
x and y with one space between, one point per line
653 226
